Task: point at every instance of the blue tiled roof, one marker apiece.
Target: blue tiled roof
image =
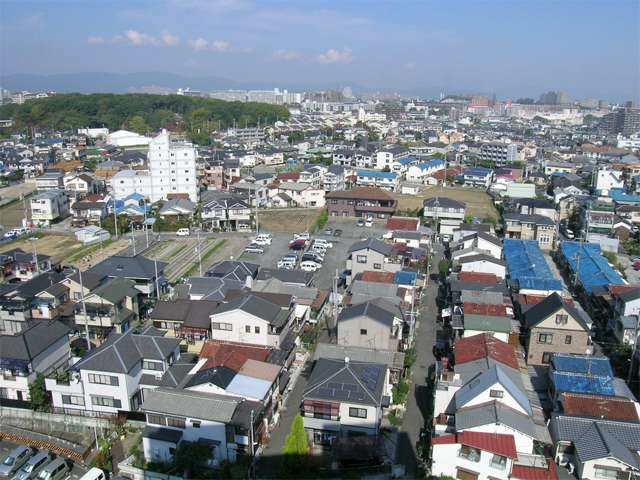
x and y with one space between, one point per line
528 266
375 173
576 383
431 164
478 171
618 195
407 160
583 364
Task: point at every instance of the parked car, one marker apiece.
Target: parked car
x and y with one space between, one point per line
313 257
337 232
323 242
15 460
302 236
36 463
309 266
328 231
183 232
297 244
360 222
636 265
319 249
94 474
254 248
286 264
368 223
263 239
56 470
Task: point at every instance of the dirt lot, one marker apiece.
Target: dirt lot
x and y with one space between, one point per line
287 220
478 202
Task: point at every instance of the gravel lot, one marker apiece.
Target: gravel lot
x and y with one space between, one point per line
335 257
76 472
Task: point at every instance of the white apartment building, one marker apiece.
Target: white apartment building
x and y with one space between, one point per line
171 170
48 206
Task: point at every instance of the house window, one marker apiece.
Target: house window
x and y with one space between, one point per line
177 422
377 266
567 340
361 258
546 357
155 419
562 319
256 329
73 400
469 453
358 412
103 379
247 328
545 338
363 331
221 326
496 393
498 462
105 401
601 471
150 365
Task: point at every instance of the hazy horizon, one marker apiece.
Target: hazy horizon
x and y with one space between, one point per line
514 49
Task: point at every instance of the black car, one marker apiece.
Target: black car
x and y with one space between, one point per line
337 232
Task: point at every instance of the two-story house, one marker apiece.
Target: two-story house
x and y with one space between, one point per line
371 255
624 323
109 378
555 326
361 202
531 227
374 178
41 347
343 397
389 154
49 206
17 264
227 213
447 214
477 177
146 274
375 324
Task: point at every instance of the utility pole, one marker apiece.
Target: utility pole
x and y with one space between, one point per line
155 264
146 230
35 255
84 310
115 217
133 239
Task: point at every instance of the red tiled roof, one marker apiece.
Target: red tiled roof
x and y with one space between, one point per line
402 223
527 299
451 172
289 176
598 406
488 442
378 277
618 289
232 355
478 277
482 346
525 472
483 309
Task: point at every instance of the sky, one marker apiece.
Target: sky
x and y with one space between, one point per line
512 48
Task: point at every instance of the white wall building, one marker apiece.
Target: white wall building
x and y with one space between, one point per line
124 138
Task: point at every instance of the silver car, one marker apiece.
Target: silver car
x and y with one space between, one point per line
16 459
36 463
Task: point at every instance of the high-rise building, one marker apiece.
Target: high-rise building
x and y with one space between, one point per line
625 121
500 153
554 98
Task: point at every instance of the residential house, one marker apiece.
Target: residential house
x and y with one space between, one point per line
477 177
375 324
446 213
421 171
188 319
86 212
555 326
40 348
483 242
343 397
50 180
303 195
147 275
244 272
624 323
361 202
177 207
49 206
374 178
108 378
482 263
386 156
531 227
81 184
401 165
334 179
371 255
16 264
207 288
227 213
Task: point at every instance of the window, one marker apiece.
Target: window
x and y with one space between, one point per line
177 422
363 331
377 266
545 338
357 412
601 471
195 424
103 379
567 340
73 400
546 357
256 330
247 328
105 402
498 462
322 410
496 393
221 326
150 365
361 259
155 419
469 453
562 319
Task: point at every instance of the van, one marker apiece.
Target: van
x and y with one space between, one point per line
36 463
56 470
323 243
94 474
15 460
183 232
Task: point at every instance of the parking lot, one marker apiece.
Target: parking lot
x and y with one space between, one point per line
334 258
76 472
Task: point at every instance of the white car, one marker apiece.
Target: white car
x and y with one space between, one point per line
286 264
319 250
183 232
322 242
302 236
368 223
262 241
309 266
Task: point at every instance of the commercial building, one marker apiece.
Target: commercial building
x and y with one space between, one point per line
361 202
625 121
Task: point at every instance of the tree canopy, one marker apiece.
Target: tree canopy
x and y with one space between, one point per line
142 113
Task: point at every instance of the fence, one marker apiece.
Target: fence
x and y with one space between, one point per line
126 468
44 421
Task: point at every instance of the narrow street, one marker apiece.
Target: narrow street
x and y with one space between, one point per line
419 401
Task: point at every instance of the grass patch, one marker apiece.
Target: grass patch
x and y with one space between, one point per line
178 251
195 268
87 250
394 419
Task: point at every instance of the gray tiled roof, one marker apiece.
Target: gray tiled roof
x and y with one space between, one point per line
481 257
258 307
199 405
298 277
128 267
116 289
233 270
371 310
351 382
392 359
372 244
494 413
34 339
212 288
550 305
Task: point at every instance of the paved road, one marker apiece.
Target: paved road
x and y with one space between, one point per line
419 409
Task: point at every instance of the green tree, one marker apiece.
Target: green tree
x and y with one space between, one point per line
443 268
296 446
191 456
38 394
137 124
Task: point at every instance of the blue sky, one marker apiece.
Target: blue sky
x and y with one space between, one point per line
513 48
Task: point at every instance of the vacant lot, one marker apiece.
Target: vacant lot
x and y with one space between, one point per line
478 202
288 220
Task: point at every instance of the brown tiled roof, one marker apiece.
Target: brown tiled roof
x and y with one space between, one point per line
402 223
230 354
485 345
478 277
599 406
484 309
618 289
377 277
450 172
363 193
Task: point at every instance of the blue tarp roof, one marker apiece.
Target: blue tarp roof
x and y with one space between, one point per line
478 171
407 160
374 173
618 195
527 265
576 383
405 278
431 164
594 268
583 364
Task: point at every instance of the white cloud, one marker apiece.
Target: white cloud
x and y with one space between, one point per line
220 46
288 55
199 44
95 40
335 56
139 39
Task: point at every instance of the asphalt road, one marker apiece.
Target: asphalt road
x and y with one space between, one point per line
76 472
